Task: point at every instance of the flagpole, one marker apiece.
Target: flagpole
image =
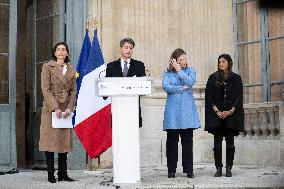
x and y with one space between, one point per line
99 157
87 25
99 162
92 162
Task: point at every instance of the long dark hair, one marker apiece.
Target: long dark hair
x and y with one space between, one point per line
176 54
54 49
221 76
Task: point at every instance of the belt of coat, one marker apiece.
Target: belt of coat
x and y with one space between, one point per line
61 96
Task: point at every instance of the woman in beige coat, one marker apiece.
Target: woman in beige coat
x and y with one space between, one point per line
58 84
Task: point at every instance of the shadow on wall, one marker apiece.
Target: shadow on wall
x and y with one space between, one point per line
271 3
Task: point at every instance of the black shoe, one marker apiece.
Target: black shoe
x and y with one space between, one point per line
228 171
190 175
51 178
64 177
171 175
13 171
218 172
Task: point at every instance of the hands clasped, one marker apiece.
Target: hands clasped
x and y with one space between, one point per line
223 114
60 114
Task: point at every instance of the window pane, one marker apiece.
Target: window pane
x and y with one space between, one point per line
4 79
4 53
276 48
4 28
250 67
276 22
253 94
47 8
248 17
5 1
46 37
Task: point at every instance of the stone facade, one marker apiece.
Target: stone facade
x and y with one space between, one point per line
204 29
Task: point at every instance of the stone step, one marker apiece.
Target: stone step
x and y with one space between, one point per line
250 177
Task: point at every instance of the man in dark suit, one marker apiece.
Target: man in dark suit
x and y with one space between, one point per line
125 66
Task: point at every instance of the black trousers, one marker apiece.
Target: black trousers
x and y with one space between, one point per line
62 162
172 149
230 150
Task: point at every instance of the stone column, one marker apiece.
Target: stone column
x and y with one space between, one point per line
281 121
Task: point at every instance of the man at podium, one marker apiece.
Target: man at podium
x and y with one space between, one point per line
126 66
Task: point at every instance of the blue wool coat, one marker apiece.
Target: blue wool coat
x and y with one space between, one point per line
180 111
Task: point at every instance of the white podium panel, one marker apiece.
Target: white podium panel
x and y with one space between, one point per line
125 139
116 86
124 88
125 92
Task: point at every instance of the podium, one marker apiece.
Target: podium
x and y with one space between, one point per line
125 92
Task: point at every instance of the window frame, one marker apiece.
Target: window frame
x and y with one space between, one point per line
265 51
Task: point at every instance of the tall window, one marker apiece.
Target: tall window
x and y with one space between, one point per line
4 51
46 35
259 41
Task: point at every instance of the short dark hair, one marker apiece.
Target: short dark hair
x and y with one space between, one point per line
127 40
176 54
54 49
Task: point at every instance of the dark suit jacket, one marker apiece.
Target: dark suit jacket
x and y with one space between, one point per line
136 68
214 95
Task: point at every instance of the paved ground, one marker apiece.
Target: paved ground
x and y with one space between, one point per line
153 177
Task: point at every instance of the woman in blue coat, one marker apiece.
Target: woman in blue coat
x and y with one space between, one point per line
180 116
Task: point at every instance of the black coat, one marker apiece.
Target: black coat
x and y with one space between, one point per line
232 97
136 68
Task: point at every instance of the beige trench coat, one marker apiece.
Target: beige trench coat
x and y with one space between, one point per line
59 91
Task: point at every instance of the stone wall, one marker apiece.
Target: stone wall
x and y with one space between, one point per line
204 29
260 144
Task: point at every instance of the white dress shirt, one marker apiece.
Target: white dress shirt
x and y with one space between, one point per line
64 70
122 63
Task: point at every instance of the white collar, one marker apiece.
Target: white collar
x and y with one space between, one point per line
122 61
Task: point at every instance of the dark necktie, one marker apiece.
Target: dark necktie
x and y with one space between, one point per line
125 69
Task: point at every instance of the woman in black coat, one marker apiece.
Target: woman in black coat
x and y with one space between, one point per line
224 114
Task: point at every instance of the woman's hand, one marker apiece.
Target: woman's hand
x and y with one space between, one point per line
66 113
220 115
230 112
226 114
223 114
185 87
176 65
58 113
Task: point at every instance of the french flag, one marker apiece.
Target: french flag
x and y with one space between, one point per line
93 113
